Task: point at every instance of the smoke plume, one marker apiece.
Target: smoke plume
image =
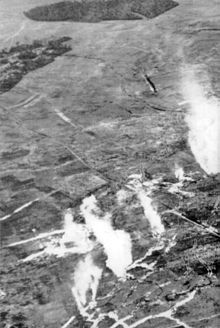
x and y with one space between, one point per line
86 278
203 120
117 243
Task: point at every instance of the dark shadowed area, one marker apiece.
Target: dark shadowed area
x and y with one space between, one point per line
98 10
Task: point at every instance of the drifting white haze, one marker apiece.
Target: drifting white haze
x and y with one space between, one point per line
146 201
150 213
121 195
176 188
117 243
179 172
203 120
75 240
86 278
76 236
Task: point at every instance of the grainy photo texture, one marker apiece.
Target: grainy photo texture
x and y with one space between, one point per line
109 163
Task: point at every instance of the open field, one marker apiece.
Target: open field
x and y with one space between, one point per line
109 106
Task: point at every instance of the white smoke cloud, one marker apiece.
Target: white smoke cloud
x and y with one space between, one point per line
75 240
203 120
86 278
176 188
179 172
146 201
122 195
150 213
76 236
117 243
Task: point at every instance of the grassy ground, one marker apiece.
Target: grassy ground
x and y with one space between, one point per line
82 124
98 10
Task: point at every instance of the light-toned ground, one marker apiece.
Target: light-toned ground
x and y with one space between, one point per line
92 122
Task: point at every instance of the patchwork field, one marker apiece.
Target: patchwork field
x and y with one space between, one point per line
108 217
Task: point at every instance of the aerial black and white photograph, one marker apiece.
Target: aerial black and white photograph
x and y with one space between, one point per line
110 163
